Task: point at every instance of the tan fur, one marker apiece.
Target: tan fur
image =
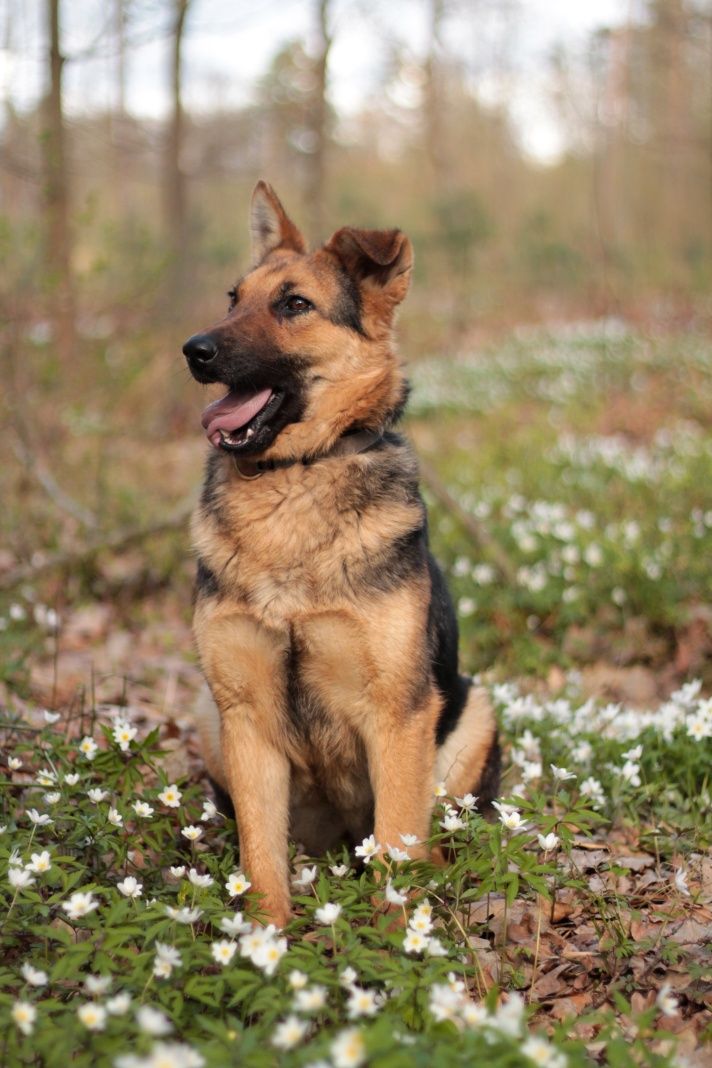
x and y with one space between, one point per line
461 757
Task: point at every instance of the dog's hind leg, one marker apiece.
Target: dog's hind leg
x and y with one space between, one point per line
468 761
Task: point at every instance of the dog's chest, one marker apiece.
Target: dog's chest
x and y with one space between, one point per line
297 547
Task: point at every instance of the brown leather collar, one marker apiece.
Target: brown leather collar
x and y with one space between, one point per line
348 444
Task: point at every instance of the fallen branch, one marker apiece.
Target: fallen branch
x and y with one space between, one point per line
116 542
477 531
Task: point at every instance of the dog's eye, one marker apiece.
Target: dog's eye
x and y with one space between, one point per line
295 305
232 297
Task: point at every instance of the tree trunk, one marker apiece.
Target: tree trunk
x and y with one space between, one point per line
316 173
176 206
58 233
434 103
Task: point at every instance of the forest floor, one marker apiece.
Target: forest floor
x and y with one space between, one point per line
569 477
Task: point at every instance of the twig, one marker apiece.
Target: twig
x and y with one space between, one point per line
471 524
116 542
54 491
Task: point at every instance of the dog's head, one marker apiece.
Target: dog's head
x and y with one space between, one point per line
305 348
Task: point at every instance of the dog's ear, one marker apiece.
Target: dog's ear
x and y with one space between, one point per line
382 259
270 226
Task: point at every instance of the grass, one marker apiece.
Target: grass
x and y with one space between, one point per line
588 457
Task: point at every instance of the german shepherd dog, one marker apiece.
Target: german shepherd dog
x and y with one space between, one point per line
323 625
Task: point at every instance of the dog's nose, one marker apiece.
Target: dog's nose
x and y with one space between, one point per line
201 348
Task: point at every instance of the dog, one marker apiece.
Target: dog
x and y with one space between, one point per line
322 623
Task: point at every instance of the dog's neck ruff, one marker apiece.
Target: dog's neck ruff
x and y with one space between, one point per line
349 444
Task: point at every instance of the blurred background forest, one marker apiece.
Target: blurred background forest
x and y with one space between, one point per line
552 165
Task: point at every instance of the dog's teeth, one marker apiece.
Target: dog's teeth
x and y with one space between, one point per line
250 434
223 434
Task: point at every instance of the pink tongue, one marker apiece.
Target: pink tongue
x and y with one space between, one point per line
234 410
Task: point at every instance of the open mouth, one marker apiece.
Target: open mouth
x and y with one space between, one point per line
240 419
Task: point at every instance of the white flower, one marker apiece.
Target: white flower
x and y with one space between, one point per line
153 1021
509 1017
170 796
512 821
368 848
445 1002
223 951
184 915
163 1055
414 942
24 1014
468 802
631 773
348 1050
51 799
269 953
393 897
542 1053
167 958
306 878
665 1001
473 1015
209 810
397 854
40 862
435 948
551 841
192 833
115 817
421 921
699 727
348 977
17 613
93 1016
297 980
51 717
592 788
39 821
178 872
328 913
339 870
423 909
289 1033
362 1003
234 925
311 999
561 774
15 859
452 822
681 881
97 984
88 748
119 1004
96 795
237 884
33 976
141 808
440 790
14 763
199 880
73 778
409 839
46 777
130 887
79 905
20 878
124 734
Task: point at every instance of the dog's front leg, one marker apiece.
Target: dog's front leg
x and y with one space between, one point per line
243 663
401 759
258 782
